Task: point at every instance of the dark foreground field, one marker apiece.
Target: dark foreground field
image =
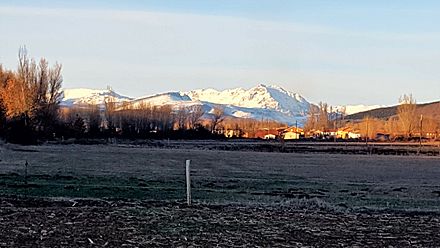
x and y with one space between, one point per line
85 223
134 196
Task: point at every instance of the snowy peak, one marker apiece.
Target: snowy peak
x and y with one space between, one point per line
82 96
169 98
262 96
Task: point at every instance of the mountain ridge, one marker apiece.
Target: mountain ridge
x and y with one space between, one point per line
261 96
431 109
78 96
262 102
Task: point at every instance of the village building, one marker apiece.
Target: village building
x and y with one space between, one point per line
233 133
292 133
348 133
330 133
267 134
354 135
270 136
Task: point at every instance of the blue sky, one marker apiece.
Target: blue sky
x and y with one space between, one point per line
341 52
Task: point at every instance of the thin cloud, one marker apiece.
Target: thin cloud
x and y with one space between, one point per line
164 18
147 52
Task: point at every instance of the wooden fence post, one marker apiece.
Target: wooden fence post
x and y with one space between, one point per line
188 182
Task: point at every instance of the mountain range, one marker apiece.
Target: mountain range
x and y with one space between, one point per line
263 102
427 109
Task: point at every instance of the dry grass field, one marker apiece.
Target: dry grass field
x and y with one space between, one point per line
115 195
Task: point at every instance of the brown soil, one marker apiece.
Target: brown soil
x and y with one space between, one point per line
36 222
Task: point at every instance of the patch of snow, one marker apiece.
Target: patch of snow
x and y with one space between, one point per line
353 109
170 98
82 96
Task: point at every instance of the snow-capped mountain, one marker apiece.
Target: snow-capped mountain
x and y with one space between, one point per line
259 97
169 98
261 102
81 96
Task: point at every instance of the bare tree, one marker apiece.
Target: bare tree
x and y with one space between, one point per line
110 109
312 118
17 92
165 119
24 74
55 82
218 115
93 119
340 119
48 93
4 78
406 112
195 112
391 126
323 120
368 127
33 91
181 116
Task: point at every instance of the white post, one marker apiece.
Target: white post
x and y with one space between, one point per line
188 182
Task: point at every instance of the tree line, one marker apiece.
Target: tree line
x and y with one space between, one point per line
142 121
119 120
30 112
408 122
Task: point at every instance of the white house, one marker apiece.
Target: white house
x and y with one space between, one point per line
269 136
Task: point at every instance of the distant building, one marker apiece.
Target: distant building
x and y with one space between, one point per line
291 136
354 135
314 133
347 133
270 136
330 133
292 133
233 133
267 133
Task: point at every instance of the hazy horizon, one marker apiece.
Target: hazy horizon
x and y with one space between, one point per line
340 52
